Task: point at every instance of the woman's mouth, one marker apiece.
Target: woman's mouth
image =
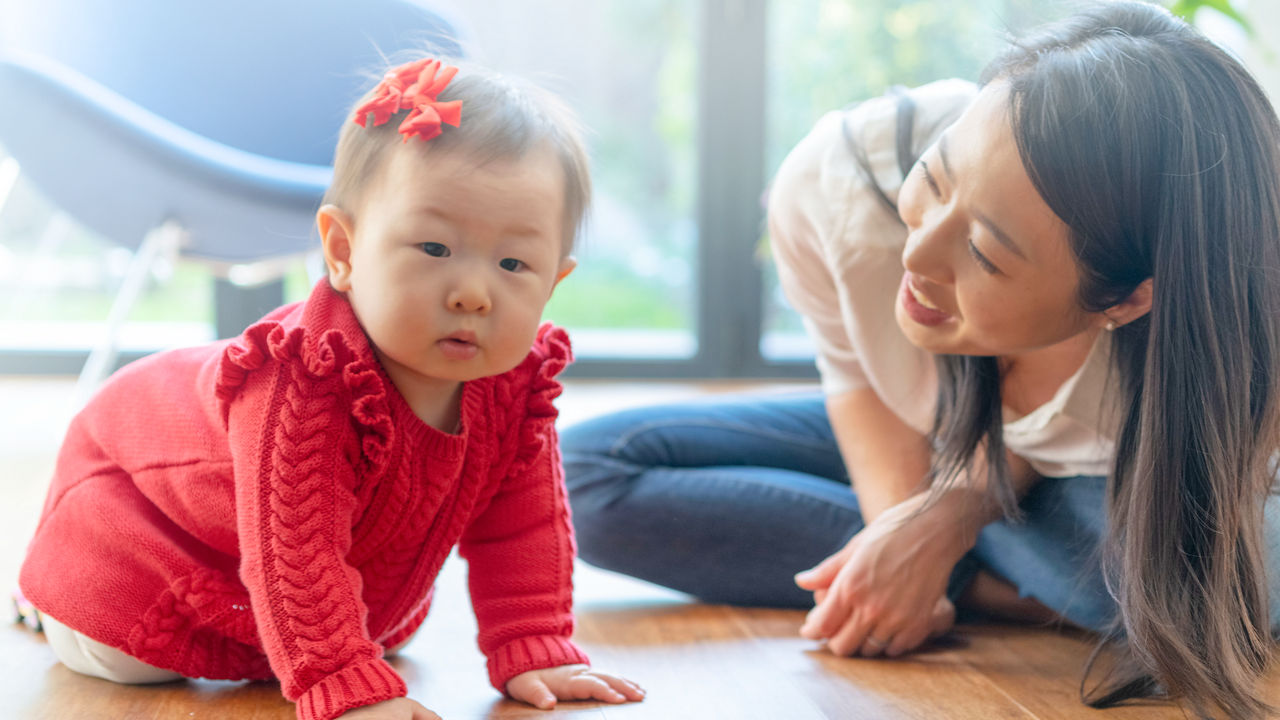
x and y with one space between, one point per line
918 307
920 298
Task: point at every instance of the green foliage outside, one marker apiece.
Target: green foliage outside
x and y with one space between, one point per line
825 54
1188 9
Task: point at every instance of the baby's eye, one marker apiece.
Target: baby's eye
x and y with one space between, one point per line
511 264
435 249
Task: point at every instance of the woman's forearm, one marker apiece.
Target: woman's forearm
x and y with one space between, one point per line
888 460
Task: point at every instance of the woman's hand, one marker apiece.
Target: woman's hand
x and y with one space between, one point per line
393 709
542 688
884 591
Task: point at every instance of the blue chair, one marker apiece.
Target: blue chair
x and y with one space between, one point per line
200 128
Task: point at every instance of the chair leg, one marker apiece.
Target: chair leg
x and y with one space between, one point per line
162 241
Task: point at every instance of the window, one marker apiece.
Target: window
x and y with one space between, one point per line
690 107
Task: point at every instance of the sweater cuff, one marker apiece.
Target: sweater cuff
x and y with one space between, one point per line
351 687
531 653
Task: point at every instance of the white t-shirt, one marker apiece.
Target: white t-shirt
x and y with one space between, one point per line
839 248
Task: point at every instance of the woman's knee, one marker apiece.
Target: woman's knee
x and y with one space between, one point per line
594 481
595 472
1054 554
602 435
594 495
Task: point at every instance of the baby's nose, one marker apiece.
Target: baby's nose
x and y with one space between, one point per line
469 296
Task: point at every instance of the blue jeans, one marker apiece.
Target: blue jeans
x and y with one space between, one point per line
726 499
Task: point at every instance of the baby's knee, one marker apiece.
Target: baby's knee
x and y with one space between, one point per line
89 657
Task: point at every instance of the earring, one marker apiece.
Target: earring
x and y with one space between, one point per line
1111 325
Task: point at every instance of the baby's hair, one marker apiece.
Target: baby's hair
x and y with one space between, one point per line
503 118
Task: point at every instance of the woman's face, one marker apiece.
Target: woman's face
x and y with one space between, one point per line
988 266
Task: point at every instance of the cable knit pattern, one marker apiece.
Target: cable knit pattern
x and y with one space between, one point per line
207 603
313 595
266 341
344 505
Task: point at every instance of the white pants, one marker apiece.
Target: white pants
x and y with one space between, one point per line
90 657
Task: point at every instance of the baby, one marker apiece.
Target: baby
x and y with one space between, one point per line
279 505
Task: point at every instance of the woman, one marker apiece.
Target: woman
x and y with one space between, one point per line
1047 349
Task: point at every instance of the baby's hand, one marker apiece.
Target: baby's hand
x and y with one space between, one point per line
393 709
541 688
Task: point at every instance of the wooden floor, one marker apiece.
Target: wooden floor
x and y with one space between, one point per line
696 661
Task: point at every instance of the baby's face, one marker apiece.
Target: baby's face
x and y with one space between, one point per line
452 263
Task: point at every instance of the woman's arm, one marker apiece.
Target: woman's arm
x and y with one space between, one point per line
887 459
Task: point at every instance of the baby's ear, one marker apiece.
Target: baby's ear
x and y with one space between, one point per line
566 266
335 228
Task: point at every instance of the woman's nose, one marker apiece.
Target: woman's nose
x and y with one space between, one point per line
929 249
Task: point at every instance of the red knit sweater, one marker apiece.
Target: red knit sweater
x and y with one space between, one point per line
271 506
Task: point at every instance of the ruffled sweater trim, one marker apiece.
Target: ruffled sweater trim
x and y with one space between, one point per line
342 350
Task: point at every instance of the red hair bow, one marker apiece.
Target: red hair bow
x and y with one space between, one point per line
414 85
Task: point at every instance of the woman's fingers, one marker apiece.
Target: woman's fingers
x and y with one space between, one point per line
940 620
836 608
908 638
820 576
851 637
827 617
943 617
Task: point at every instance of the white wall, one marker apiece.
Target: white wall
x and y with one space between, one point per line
1263 54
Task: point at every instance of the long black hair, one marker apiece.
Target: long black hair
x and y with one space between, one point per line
1162 155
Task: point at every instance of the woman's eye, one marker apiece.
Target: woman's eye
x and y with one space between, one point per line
982 260
511 264
928 178
435 249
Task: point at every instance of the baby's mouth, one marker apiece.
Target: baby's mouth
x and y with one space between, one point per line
459 345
